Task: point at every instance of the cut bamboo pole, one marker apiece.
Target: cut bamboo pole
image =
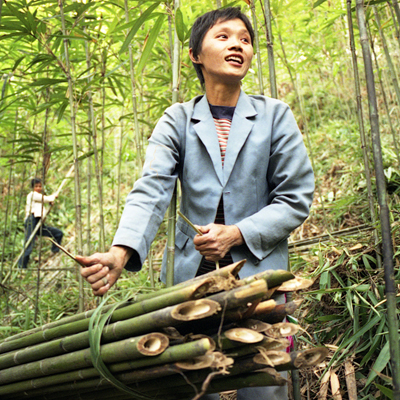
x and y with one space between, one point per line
278 314
53 383
71 343
304 359
178 385
273 278
228 272
133 348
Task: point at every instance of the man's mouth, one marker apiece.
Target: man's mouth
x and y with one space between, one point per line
236 59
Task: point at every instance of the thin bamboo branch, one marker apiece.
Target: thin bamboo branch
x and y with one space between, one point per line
387 247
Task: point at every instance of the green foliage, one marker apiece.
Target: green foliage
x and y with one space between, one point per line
345 307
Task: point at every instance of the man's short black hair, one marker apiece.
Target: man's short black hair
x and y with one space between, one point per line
205 22
34 181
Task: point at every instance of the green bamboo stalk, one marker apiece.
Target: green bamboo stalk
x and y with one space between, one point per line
387 247
44 173
367 170
385 102
92 127
129 349
172 207
223 273
134 96
98 164
77 379
78 204
119 167
257 43
59 339
270 49
387 55
397 11
395 23
19 205
8 196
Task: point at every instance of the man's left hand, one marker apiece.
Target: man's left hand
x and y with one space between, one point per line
217 240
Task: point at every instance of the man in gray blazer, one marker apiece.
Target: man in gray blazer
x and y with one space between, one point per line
243 168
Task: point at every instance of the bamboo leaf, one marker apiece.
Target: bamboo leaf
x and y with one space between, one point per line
47 82
386 391
150 43
318 3
180 25
139 22
380 363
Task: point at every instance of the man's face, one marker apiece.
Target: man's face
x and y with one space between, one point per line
226 52
37 188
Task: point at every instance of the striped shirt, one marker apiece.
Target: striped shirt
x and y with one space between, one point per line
223 119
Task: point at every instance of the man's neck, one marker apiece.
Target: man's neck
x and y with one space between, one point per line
223 95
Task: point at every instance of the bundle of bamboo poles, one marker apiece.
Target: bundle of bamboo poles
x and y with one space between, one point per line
211 334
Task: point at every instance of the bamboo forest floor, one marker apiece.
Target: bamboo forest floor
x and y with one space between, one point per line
347 292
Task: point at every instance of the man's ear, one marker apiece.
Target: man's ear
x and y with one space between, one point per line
193 58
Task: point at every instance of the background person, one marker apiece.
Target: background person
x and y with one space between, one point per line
34 211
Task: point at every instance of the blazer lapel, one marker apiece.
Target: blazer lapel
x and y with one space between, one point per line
240 130
207 133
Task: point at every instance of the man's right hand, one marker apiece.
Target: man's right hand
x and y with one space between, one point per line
102 270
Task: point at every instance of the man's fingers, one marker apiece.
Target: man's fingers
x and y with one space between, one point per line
102 291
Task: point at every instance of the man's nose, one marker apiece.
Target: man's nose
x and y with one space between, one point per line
235 44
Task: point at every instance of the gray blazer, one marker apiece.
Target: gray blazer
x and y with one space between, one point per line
267 183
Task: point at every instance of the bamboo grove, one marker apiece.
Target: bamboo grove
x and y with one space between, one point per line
83 84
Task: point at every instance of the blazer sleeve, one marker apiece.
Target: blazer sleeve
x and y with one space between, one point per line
150 197
290 181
